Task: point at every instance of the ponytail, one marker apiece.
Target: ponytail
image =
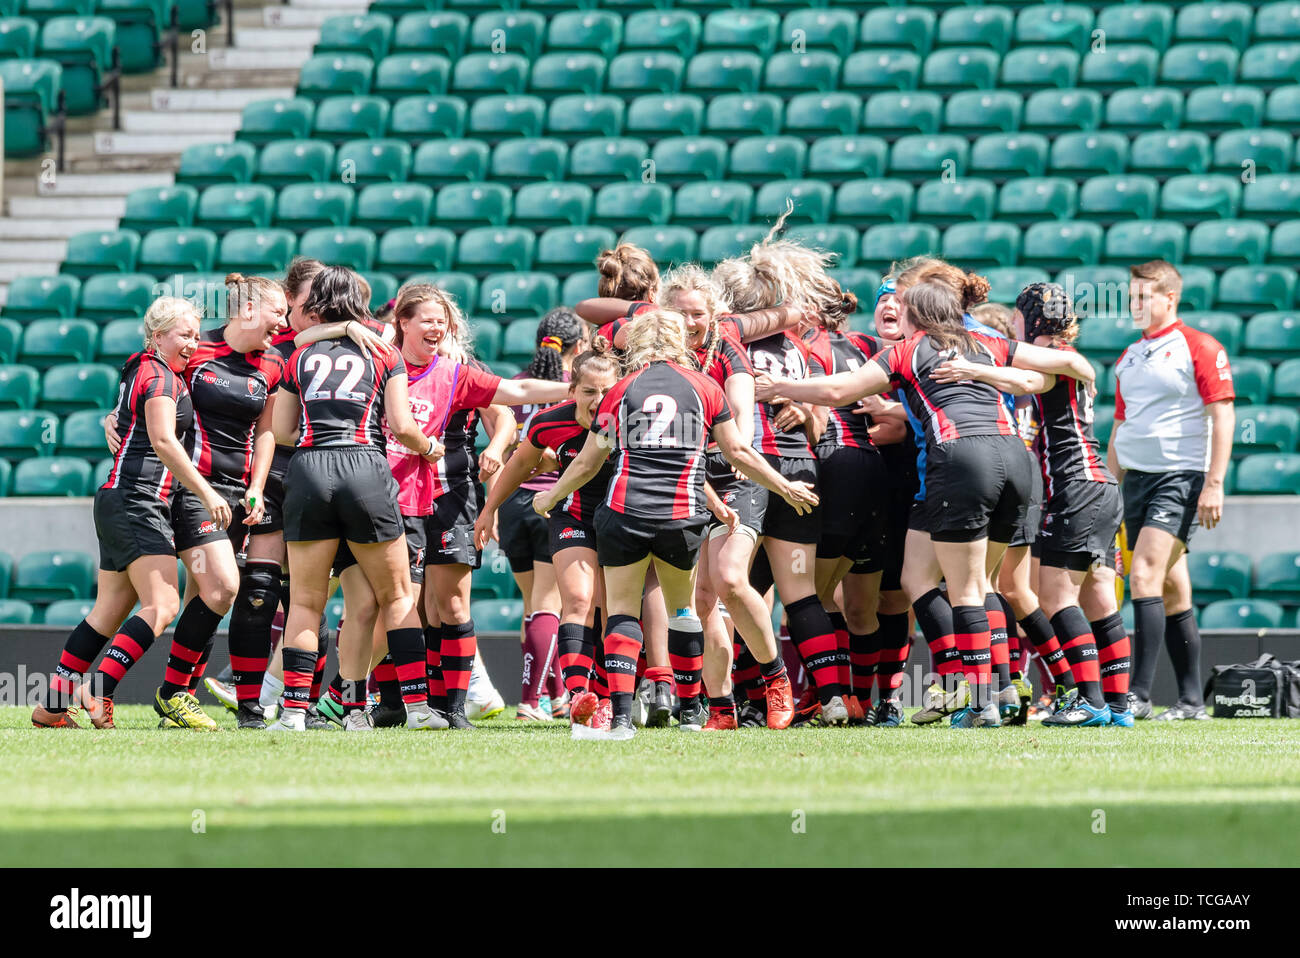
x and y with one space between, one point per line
557 333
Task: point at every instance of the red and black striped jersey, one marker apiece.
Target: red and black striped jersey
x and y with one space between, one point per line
782 356
950 410
730 356
282 345
557 427
609 330
842 353
659 419
229 392
136 466
1069 447
341 388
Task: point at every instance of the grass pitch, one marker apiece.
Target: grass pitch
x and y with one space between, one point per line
1217 793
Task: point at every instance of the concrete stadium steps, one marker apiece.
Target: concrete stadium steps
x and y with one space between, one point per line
232 100
33 228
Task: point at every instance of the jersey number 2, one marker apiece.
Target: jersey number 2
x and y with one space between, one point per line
664 409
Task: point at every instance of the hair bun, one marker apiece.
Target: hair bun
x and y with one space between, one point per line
232 278
849 301
600 345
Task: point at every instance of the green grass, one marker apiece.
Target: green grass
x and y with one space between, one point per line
1186 794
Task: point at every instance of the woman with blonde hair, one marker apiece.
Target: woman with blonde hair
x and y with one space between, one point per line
133 520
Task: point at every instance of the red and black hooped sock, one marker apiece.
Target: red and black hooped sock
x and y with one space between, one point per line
352 695
79 651
769 672
622 644
576 649
599 676
686 654
251 618
864 659
1014 649
972 636
201 666
998 640
843 661
1075 635
334 691
322 657
935 617
723 705
195 628
458 646
745 673
390 690
299 667
433 667
1114 656
406 646
1039 632
131 642
814 639
895 646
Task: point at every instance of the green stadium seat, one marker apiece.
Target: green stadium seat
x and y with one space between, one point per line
876 71
295 161
1142 109
48 342
1272 198
757 159
1265 429
920 157
228 206
490 249
735 115
1068 26
342 118
1037 199
862 283
1170 153
276 119
951 69
207 163
383 287
37 297
673 245
981 245
1109 199
501 615
674 30
1033 68
1286 382
892 242
812 201
838 240
512 295
520 340
1227 22
1103 421
725 242
333 74
1217 108
559 73
177 250
1192 198
156 207
461 286
441 31
813 71
519 32
73 386
1119 65
974 112
385 206
486 334
19 386
67 613
1281 109
811 115
10 335
117 341
440 162
350 246
908 27
1218 576
1268 474
1284 244
1222 243
1277 21
713 204
898 114
1271 64
56 476
367 34
684 159
655 116
1238 614
1141 240
870 202
464 205
482 74
1250 378
83 46
1259 151
101 252
579 286
939 201
1062 111
18 612
540 205
752 30
31 90
1251 289
646 72
1199 283
373 161
1196 64
715 72
18 36
304 206
1006 282
577 117
1084 154
831 30
528 161
840 159
620 205
115 296
567 249
1002 156
976 27
41 577
1227 329
1105 337
588 31
420 118
602 160
25 433
1277 577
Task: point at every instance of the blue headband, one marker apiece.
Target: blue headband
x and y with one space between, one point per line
886 288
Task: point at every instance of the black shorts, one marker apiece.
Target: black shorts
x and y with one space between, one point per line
451 527
903 489
1080 524
194 526
977 487
566 532
341 492
918 517
781 521
273 510
131 525
623 540
855 496
416 540
745 496
525 536
1027 532
1166 500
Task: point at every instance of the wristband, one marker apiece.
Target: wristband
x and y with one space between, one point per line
432 445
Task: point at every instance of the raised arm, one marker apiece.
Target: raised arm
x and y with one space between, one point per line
837 390
1058 362
523 392
762 323
602 309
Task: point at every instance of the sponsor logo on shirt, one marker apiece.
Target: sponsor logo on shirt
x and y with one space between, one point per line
212 379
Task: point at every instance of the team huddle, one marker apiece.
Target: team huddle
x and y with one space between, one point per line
682 451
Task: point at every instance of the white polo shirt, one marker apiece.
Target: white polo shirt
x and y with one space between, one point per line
1162 387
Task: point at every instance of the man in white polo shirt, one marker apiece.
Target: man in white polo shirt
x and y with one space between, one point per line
1174 424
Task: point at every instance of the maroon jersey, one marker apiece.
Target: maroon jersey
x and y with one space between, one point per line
136 466
282 345
557 427
949 411
523 414
229 392
1068 446
341 388
840 353
659 418
782 356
